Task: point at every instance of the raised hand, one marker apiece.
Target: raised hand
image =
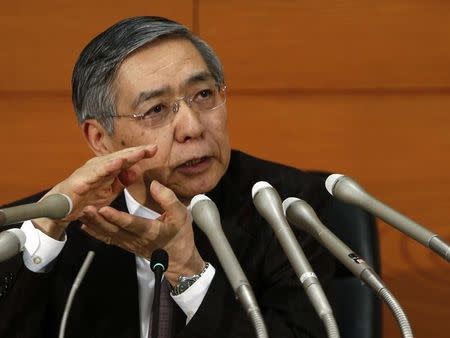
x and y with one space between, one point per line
172 231
97 183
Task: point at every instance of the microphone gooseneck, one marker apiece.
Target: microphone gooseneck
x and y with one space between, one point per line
76 284
11 243
302 215
268 203
347 190
206 216
159 262
55 206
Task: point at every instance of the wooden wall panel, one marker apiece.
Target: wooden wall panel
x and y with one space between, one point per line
41 43
367 95
371 134
330 44
41 143
397 147
42 40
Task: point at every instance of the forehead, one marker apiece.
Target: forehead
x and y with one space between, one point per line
167 63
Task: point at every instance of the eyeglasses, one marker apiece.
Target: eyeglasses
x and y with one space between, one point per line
202 97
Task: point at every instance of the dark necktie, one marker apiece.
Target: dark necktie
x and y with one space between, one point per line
165 312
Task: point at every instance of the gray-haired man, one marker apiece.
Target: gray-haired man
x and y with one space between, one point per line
150 98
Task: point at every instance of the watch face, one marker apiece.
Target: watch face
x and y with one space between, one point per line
184 284
183 287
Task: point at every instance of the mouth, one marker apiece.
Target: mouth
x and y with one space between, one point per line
194 162
195 165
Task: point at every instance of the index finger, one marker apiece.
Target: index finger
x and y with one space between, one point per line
113 164
130 156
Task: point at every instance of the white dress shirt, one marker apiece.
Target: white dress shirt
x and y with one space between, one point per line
40 250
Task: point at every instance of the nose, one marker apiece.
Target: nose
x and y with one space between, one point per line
188 124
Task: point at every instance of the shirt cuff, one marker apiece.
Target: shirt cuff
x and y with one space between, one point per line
189 301
39 250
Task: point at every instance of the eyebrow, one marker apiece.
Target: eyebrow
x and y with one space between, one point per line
150 94
198 77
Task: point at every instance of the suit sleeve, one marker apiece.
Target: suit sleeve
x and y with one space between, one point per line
23 299
23 294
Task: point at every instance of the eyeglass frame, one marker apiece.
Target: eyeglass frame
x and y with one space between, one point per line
176 103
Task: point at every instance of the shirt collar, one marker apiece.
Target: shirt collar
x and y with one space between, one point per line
137 209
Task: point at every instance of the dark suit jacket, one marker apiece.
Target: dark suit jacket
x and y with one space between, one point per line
31 304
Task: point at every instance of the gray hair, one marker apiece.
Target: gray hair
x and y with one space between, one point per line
93 93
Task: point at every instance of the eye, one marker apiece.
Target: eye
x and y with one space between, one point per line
155 111
203 94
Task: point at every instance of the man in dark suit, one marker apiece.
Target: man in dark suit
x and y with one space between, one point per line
150 99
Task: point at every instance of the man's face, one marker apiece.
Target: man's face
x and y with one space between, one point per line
193 147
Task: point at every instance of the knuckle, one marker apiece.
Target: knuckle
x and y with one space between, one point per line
187 218
127 223
141 243
114 230
169 196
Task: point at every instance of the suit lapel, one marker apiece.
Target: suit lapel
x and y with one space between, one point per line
113 283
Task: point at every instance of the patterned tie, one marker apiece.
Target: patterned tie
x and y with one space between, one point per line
165 312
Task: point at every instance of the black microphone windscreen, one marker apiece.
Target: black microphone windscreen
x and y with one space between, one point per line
159 258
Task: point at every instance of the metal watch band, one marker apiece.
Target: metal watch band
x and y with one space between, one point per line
184 282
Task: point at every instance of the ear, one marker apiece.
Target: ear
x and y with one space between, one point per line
97 137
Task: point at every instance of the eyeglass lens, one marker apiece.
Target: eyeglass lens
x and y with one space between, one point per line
201 97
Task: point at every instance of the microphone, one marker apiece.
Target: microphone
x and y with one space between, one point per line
302 215
159 262
347 190
52 206
268 203
206 216
11 243
76 284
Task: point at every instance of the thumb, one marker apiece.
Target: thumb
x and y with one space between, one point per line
168 201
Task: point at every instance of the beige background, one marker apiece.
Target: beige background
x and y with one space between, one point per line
358 87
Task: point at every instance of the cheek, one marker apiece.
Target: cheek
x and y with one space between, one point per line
133 138
217 124
129 137
158 165
164 141
218 128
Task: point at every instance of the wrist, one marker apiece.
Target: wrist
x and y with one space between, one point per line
185 282
51 228
190 268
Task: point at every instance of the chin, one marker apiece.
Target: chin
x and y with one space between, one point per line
191 190
191 187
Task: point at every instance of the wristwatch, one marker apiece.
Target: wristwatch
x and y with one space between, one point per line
184 282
